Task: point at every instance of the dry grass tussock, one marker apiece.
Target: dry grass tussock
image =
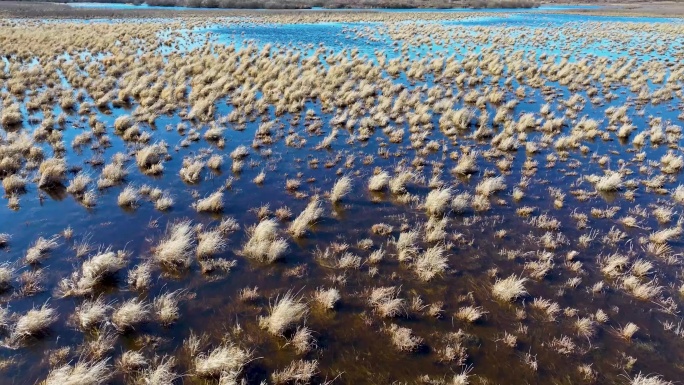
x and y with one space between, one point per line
264 244
33 323
298 372
80 373
93 272
225 359
306 218
130 314
287 311
341 188
213 203
510 288
175 250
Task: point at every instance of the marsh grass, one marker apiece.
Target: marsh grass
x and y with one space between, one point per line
174 251
264 244
306 218
287 311
33 323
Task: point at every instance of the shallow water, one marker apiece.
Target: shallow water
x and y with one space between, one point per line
352 341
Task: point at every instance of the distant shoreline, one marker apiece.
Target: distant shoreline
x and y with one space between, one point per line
324 4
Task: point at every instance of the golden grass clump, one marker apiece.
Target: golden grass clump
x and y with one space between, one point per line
81 373
34 323
341 188
130 314
160 372
327 298
112 174
298 372
225 359
387 302
671 163
437 201
79 184
306 218
398 183
470 314
149 158
211 204
404 339
210 243
165 308
128 197
607 183
14 184
38 252
678 194
240 152
6 275
509 289
52 172
430 263
11 115
264 244
191 170
379 181
94 271
287 311
489 186
645 379
175 250
91 313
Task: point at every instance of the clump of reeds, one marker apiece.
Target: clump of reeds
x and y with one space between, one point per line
287 311
130 314
94 271
34 323
79 184
379 181
225 359
191 170
11 115
213 203
6 276
113 173
488 186
38 252
341 188
510 288
149 158
165 308
128 197
81 373
327 298
14 184
403 338
430 263
175 250
644 379
387 302
306 218
91 313
264 244
470 314
160 372
52 172
131 361
607 183
298 372
437 201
